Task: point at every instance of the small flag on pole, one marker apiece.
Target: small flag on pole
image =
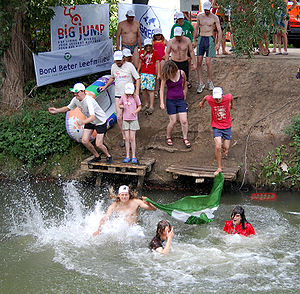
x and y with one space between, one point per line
195 209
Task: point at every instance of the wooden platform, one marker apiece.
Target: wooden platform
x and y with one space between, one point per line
118 167
200 173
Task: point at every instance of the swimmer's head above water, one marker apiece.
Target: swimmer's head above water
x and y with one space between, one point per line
161 229
238 216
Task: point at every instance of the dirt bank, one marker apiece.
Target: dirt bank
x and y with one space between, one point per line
259 87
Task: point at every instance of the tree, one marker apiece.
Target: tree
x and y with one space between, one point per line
24 29
251 21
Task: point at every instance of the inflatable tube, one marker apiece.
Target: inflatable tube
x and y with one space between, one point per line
105 99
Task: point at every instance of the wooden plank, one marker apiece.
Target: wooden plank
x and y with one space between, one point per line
206 168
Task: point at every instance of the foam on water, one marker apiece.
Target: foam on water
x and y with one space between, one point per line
202 257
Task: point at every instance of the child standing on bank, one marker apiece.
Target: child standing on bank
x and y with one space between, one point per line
149 58
131 105
159 44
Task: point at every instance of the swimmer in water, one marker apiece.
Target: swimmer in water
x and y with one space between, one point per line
164 232
125 205
238 223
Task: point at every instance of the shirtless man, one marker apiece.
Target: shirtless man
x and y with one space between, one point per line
282 24
129 31
207 22
179 46
125 205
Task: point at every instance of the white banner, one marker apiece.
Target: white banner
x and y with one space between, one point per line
79 25
150 18
61 65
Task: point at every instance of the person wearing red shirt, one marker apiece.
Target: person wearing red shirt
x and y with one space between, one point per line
149 59
220 122
238 223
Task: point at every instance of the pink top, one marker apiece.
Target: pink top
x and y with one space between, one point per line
160 47
220 113
130 105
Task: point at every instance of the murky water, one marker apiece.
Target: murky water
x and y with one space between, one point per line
47 245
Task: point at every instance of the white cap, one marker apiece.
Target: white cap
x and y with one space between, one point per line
217 92
147 42
157 31
130 13
126 52
206 5
177 31
118 55
77 87
129 88
179 15
123 189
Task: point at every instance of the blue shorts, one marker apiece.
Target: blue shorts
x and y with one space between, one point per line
176 106
223 133
206 44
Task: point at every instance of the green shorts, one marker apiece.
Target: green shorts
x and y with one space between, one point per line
132 125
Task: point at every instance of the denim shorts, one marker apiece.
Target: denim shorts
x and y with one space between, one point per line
175 106
223 133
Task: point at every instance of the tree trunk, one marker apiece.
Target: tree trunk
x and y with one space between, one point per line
17 61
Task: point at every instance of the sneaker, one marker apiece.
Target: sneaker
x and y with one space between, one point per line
134 160
126 160
145 107
210 86
122 143
109 160
200 88
95 159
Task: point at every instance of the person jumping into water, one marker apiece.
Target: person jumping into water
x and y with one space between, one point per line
125 205
238 223
164 232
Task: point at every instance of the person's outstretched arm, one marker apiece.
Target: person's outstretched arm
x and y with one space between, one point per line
105 218
54 110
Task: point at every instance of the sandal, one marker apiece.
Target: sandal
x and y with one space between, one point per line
149 111
187 143
169 142
189 85
134 160
126 160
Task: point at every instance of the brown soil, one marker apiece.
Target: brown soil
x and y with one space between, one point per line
259 87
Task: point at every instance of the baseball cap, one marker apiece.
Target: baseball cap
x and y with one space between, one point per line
147 42
130 13
123 189
77 87
129 88
217 93
207 5
118 55
177 31
179 14
126 52
157 31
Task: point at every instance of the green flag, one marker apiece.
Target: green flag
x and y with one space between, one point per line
195 209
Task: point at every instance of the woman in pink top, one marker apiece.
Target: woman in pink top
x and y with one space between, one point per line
131 105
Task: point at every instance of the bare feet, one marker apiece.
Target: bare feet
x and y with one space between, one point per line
217 171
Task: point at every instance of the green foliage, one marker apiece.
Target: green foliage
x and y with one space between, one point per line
273 169
33 136
251 21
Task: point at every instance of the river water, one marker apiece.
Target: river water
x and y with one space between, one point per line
47 245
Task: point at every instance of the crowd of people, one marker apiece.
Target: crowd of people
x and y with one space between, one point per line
157 63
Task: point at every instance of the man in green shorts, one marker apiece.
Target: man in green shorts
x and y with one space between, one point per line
207 22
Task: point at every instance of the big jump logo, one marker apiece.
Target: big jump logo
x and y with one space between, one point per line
148 22
77 27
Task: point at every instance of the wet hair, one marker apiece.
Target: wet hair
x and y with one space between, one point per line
161 227
239 210
132 194
169 70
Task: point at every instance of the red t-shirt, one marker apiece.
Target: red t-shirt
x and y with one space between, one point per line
148 62
220 113
229 228
160 47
